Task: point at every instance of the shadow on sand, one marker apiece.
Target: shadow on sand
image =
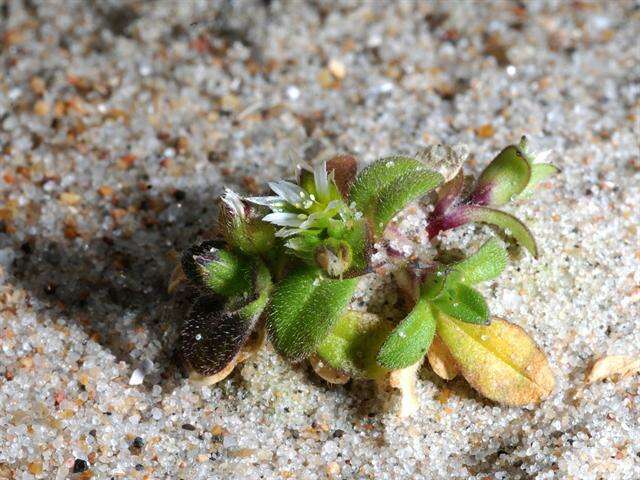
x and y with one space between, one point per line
115 288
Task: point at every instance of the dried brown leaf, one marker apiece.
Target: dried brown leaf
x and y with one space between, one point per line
613 366
344 168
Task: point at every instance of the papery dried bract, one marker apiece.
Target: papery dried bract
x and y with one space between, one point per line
344 169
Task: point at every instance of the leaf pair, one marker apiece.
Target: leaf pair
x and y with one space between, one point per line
446 290
222 320
510 174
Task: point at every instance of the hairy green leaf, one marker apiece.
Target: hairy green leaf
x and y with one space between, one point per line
353 342
398 194
359 238
506 176
499 360
377 175
388 185
303 308
212 268
464 303
486 264
410 340
510 224
437 282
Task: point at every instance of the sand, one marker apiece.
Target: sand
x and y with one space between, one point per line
120 123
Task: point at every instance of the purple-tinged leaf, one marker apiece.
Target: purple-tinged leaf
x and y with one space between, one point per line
449 194
504 178
455 218
510 224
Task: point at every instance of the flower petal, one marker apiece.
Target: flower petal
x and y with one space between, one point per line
321 180
283 219
290 192
271 202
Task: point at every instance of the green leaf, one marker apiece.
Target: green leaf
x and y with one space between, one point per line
397 195
212 268
507 222
436 283
410 340
377 175
539 173
499 360
464 303
387 185
360 239
353 342
487 263
303 308
506 176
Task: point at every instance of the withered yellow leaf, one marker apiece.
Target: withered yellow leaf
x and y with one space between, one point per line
441 360
499 360
613 365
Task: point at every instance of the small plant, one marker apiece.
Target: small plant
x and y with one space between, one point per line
289 264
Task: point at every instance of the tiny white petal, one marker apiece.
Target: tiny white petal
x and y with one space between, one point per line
288 232
283 219
270 202
137 377
287 190
321 179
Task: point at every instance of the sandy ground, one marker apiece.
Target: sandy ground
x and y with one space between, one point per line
120 123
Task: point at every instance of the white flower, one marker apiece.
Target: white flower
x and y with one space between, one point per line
306 210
